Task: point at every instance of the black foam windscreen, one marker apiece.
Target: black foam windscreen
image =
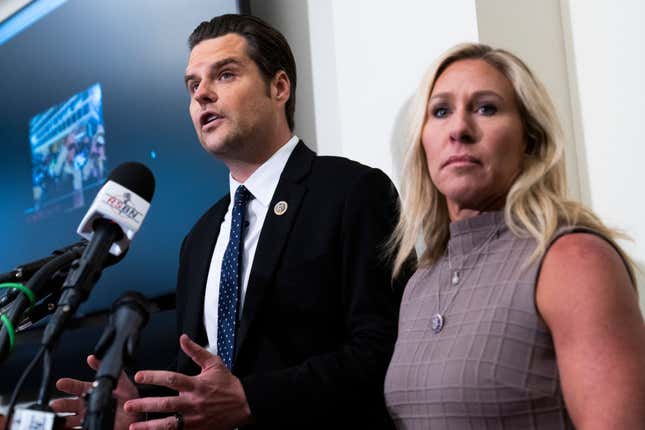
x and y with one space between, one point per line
136 177
135 300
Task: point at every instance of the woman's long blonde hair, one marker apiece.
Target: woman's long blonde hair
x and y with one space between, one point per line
536 204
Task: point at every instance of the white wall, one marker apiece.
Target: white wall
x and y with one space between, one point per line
608 44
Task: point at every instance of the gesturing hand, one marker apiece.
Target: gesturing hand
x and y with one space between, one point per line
125 390
214 399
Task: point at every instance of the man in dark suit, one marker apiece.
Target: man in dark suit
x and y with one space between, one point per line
284 281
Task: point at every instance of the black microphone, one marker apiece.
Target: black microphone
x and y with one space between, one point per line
49 293
14 312
47 282
110 224
23 273
45 288
115 349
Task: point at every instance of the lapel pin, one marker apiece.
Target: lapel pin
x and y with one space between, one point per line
280 208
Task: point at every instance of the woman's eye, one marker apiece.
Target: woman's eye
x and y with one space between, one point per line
487 109
440 112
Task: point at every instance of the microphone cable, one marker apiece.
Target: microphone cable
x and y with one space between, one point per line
45 385
21 381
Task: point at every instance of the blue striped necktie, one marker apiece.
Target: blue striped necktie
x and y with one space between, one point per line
230 283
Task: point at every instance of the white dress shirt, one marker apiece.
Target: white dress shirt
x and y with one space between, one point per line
261 184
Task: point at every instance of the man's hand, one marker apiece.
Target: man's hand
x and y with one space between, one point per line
125 390
214 399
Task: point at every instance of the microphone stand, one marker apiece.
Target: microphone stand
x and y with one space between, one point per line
81 279
117 346
100 406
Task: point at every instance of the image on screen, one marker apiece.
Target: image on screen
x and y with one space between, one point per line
68 155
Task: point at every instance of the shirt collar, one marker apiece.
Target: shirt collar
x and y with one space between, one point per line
263 182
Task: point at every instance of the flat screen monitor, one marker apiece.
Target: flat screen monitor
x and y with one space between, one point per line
85 87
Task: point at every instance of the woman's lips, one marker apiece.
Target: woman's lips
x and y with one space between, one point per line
460 160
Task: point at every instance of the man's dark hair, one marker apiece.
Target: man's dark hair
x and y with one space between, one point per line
266 46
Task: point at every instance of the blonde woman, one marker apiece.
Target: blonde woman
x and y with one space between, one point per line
523 312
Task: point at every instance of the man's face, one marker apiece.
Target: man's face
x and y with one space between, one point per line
230 101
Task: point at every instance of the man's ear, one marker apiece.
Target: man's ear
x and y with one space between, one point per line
281 86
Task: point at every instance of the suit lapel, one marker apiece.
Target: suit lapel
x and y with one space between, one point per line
198 274
274 235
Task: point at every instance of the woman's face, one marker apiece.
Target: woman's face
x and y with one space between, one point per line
473 137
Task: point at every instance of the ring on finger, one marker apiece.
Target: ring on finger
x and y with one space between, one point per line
180 420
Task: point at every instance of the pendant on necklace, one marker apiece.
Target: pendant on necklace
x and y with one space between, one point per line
455 277
437 323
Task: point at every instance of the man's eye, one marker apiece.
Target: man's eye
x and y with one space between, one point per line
226 76
440 112
192 87
487 109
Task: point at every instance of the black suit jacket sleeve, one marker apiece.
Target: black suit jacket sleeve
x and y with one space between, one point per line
348 380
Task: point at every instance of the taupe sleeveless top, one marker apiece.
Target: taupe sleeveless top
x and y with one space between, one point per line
493 364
